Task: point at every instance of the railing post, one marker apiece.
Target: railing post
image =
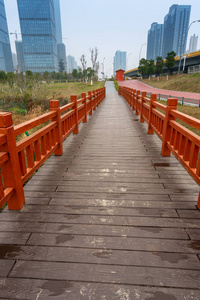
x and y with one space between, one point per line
137 103
73 99
55 106
134 92
198 202
90 102
171 104
151 106
11 168
144 94
83 95
94 95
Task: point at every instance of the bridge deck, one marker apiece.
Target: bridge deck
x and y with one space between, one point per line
110 219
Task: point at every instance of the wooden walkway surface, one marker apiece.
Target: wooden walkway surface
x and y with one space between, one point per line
111 219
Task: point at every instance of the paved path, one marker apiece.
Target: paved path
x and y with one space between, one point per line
135 84
109 220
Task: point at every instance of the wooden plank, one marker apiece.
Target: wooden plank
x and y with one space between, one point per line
98 230
5 267
106 274
17 238
117 243
44 289
101 256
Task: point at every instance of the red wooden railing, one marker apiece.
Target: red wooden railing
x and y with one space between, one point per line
19 160
162 120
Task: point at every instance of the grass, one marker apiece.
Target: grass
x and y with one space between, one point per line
60 91
188 110
183 82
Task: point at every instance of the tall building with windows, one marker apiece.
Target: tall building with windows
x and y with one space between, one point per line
38 29
6 62
155 41
20 56
119 60
61 50
193 43
176 24
71 64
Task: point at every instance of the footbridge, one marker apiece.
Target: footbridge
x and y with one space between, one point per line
112 215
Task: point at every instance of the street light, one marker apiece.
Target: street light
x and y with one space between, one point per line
127 61
103 68
141 51
181 46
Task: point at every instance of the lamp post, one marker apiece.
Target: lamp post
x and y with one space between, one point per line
181 46
103 67
127 61
141 51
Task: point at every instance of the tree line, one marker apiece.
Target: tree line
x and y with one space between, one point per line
149 67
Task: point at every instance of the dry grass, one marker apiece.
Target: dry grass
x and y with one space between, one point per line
183 82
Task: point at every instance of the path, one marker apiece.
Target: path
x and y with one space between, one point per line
109 220
135 84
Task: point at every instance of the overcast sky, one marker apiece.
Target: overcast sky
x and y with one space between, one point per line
110 25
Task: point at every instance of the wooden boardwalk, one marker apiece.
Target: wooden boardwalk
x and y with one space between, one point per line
111 219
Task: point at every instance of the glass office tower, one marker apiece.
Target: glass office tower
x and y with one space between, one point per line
176 25
37 21
120 60
155 41
6 62
61 50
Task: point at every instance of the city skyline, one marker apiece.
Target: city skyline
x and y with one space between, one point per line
109 25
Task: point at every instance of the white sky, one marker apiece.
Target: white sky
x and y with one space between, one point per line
109 25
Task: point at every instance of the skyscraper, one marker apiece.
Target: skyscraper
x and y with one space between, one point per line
20 56
176 24
37 21
119 60
61 50
6 62
71 64
155 41
193 43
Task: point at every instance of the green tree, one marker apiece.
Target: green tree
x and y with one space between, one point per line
61 66
53 75
143 66
75 73
11 78
29 75
46 76
90 72
159 65
150 67
38 77
170 60
3 77
80 73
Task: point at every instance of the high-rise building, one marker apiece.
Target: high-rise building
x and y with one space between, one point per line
155 41
38 29
119 60
6 62
193 43
15 63
61 50
71 64
20 56
176 24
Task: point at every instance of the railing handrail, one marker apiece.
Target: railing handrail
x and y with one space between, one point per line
176 138
19 160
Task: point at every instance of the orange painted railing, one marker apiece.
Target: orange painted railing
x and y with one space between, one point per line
161 119
19 160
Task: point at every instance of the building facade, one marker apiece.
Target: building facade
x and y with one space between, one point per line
61 50
6 62
193 43
119 61
20 56
176 24
155 41
38 29
71 64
